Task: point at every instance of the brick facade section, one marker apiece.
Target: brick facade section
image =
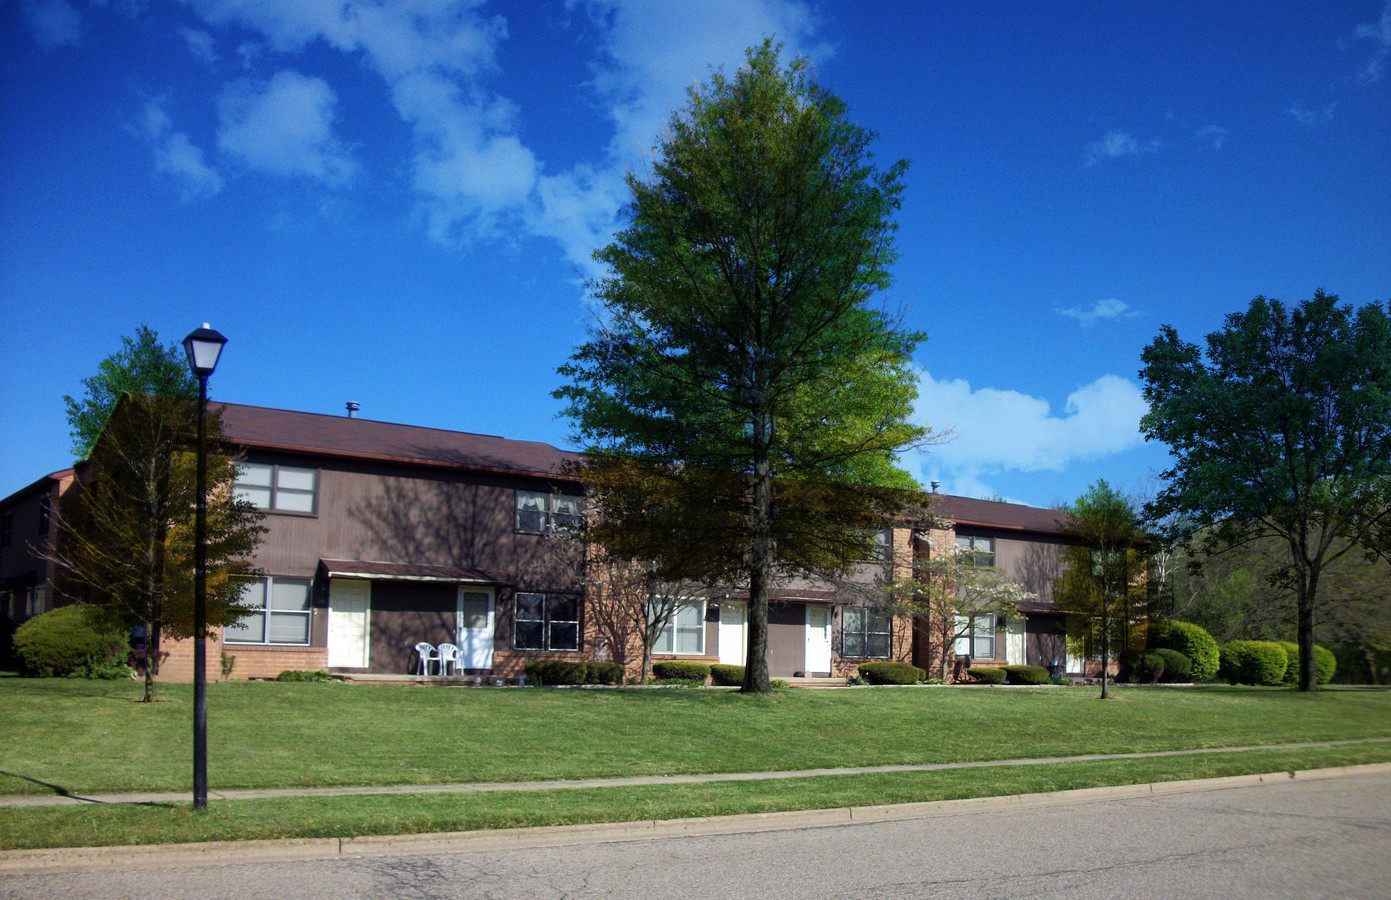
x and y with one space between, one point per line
250 661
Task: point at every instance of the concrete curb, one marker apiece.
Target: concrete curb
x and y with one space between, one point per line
79 859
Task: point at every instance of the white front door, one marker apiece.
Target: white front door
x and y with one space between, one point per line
818 639
349 622
734 632
476 613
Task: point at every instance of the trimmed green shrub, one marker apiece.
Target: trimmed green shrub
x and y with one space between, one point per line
1149 668
1193 641
556 671
316 675
726 675
113 670
65 639
1325 663
1254 662
681 669
1026 675
1177 667
887 672
605 673
987 674
779 684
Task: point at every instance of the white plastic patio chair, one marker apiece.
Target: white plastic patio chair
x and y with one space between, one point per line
451 655
427 655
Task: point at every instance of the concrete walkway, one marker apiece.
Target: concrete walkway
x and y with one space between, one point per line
60 799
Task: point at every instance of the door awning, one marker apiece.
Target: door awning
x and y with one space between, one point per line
374 570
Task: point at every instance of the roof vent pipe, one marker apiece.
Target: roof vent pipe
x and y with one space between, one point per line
353 407
935 486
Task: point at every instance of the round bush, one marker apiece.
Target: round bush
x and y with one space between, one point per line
680 668
1149 668
1254 662
1177 667
65 639
1325 663
556 671
1193 641
1026 675
987 674
605 673
887 672
726 675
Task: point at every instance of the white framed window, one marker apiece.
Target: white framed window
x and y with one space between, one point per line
546 622
544 512
281 615
975 637
865 633
684 634
277 488
976 550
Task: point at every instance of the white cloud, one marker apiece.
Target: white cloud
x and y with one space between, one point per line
177 156
284 127
1379 33
1116 144
200 44
1110 308
1311 118
1212 134
1003 431
472 172
54 23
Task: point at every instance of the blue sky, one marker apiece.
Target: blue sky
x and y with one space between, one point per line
395 201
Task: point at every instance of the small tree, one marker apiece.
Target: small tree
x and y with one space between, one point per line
630 605
125 536
1101 587
946 592
142 366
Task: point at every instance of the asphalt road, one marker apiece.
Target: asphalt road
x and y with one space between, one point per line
1320 837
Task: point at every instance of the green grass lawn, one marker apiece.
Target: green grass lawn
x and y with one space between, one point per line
86 737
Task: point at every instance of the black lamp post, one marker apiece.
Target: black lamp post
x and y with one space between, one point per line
203 346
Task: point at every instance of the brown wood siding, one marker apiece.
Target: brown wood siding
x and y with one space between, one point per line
404 613
1032 562
787 639
1043 639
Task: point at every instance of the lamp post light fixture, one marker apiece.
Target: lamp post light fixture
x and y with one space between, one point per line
203 346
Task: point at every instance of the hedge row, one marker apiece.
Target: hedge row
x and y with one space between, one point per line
683 670
1025 674
559 671
987 674
726 675
1325 663
891 673
1193 641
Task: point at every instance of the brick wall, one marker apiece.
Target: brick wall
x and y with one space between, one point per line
249 661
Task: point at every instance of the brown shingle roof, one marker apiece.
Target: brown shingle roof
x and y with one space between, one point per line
990 514
299 432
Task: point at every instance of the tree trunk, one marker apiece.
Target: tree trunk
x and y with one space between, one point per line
1308 679
756 680
151 660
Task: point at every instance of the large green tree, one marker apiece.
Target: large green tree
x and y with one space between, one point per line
125 540
1102 583
737 362
1282 429
142 366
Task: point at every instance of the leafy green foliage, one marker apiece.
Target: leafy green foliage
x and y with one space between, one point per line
889 672
1101 586
987 674
142 366
1282 429
320 676
1177 667
557 671
741 400
1025 674
1325 663
66 639
726 675
1192 641
680 668
126 532
1254 662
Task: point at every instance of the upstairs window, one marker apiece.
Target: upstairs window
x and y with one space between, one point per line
277 488
542 512
976 550
865 633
